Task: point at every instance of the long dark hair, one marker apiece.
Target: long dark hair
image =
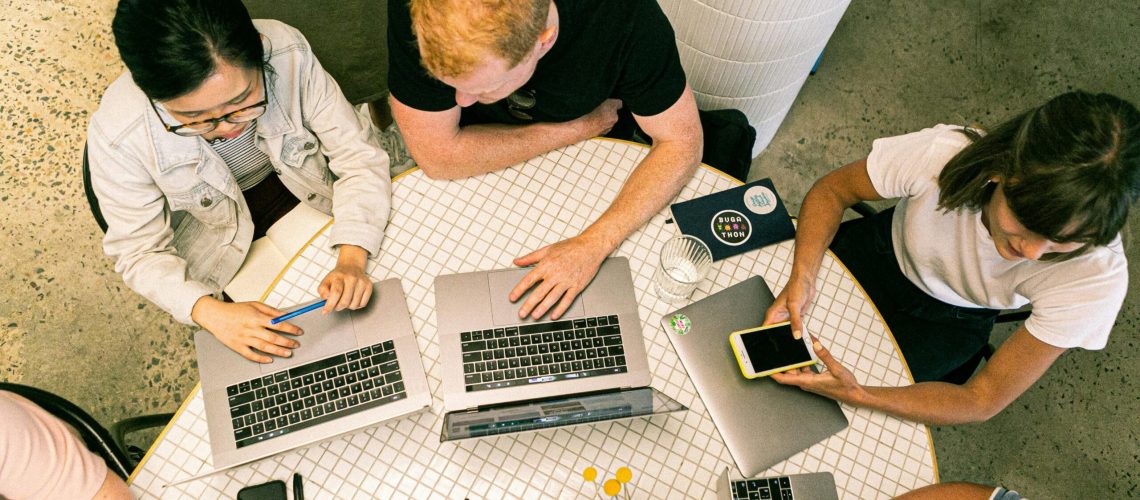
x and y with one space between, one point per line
171 46
1069 169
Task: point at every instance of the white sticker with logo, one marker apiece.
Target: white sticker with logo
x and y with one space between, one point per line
760 200
731 227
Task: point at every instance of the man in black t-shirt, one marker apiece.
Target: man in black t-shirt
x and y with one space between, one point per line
478 86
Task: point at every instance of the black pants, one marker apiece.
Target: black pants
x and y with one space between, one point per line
268 202
935 337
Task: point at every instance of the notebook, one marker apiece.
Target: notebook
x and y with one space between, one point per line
271 253
737 220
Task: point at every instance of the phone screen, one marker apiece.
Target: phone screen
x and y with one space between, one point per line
774 348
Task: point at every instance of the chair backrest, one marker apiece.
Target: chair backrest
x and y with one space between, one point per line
94 435
92 201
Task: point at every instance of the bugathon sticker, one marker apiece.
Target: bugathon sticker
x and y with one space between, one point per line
731 227
760 200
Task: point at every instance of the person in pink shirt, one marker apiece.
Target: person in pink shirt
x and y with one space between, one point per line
43 457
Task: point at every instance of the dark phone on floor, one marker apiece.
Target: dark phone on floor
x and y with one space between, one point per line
273 490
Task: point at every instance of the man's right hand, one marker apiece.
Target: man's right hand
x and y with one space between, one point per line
245 328
600 120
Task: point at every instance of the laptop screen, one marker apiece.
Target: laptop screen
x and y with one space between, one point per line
563 411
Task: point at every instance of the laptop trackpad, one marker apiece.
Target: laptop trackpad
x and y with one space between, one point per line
325 335
505 312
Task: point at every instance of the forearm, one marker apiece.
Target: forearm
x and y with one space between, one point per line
819 219
353 256
478 149
362 192
164 281
950 491
933 403
149 263
651 186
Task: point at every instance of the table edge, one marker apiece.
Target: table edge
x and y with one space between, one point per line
415 168
906 367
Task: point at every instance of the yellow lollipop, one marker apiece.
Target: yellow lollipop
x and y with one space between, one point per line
611 487
624 474
590 474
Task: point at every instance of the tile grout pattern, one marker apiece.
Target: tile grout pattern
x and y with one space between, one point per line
675 455
889 68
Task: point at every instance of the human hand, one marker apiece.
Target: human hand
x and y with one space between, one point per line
563 270
346 286
792 304
836 382
600 120
245 327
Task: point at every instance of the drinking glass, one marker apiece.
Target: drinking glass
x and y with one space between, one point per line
685 261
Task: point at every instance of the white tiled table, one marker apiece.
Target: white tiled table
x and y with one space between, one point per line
481 223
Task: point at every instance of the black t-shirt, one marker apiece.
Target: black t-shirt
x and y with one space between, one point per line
621 49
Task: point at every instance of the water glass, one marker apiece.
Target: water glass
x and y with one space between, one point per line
685 261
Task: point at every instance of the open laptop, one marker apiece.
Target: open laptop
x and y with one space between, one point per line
521 374
353 369
761 421
810 486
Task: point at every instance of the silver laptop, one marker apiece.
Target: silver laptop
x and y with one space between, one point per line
810 486
488 356
354 369
761 421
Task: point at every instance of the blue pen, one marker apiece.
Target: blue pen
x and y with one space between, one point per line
298 312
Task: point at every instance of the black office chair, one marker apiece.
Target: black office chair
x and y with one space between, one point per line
108 444
963 373
92 201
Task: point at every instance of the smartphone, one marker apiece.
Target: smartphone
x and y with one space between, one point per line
770 349
272 490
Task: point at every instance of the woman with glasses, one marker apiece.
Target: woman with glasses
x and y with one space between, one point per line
220 126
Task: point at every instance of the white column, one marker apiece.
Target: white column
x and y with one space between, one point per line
751 55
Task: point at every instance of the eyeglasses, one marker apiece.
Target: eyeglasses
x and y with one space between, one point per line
519 102
243 115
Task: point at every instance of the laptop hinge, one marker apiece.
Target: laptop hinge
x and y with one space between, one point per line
523 402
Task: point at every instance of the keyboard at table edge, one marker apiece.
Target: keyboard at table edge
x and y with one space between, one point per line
320 396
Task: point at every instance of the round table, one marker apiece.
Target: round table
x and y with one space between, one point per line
483 222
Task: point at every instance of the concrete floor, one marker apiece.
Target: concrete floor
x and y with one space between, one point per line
67 323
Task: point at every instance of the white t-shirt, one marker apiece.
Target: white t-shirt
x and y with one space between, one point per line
951 255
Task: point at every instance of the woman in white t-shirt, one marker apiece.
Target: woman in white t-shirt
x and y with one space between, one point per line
1029 213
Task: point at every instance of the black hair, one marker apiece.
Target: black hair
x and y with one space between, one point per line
172 46
1069 169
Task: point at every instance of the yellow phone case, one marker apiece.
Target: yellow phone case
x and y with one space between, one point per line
740 360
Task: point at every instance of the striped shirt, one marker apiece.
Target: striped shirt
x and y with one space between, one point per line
249 164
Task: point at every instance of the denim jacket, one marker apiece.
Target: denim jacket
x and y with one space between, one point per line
178 225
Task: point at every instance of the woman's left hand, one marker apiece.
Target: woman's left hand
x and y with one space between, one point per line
346 286
836 382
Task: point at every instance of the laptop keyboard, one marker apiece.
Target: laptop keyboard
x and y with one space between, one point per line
306 395
774 488
542 352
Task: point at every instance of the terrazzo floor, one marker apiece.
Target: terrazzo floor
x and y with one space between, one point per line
69 325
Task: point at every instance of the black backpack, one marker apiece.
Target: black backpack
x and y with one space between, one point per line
728 139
